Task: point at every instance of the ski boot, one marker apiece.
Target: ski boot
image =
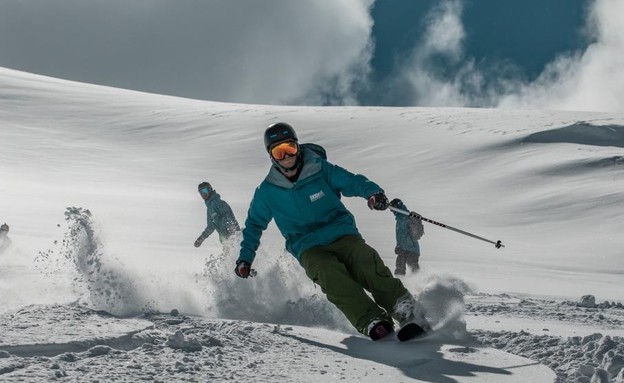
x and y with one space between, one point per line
380 328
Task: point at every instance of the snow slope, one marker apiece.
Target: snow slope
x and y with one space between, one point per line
99 188
217 350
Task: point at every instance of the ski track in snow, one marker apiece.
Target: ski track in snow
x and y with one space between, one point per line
69 345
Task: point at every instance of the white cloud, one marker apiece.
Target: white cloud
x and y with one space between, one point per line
592 80
442 40
276 51
445 31
291 51
589 80
285 52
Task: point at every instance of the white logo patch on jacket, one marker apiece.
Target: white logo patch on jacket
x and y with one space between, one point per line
317 196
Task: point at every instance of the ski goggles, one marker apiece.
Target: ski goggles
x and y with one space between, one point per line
288 148
205 191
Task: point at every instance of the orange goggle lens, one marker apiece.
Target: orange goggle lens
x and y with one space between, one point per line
280 151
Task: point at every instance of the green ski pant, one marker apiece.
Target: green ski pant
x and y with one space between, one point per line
345 269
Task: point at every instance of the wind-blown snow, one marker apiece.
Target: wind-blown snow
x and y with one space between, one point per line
99 189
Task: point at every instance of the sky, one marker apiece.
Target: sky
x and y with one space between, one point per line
534 54
99 187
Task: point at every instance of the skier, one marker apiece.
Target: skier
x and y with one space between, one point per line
5 241
408 231
302 193
219 215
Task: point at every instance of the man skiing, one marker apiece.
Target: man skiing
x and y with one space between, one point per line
219 215
302 194
408 231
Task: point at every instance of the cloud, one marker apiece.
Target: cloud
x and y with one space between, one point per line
590 80
439 73
440 46
445 32
275 52
306 53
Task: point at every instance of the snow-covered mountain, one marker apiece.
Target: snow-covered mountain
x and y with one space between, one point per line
98 186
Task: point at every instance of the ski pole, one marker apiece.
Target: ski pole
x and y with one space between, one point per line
497 244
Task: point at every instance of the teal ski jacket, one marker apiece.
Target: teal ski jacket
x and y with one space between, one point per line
308 212
219 217
408 231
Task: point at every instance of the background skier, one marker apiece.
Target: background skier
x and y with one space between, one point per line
408 231
302 194
5 241
219 215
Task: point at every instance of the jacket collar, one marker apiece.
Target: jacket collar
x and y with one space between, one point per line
312 164
214 198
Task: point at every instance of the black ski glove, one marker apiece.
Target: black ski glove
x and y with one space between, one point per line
378 201
199 241
242 269
396 203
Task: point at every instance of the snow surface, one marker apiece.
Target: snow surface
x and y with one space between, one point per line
101 281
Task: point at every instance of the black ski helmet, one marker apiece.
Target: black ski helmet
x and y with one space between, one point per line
280 131
204 185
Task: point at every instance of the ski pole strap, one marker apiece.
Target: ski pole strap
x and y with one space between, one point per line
497 244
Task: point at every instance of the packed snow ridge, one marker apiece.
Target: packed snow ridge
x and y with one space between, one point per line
594 357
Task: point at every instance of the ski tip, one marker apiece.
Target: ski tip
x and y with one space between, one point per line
410 331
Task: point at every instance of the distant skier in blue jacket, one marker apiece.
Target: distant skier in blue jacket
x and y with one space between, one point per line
302 194
5 241
408 231
219 215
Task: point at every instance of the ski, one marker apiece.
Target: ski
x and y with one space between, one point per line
410 331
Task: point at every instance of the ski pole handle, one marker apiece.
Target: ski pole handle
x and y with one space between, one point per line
498 244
